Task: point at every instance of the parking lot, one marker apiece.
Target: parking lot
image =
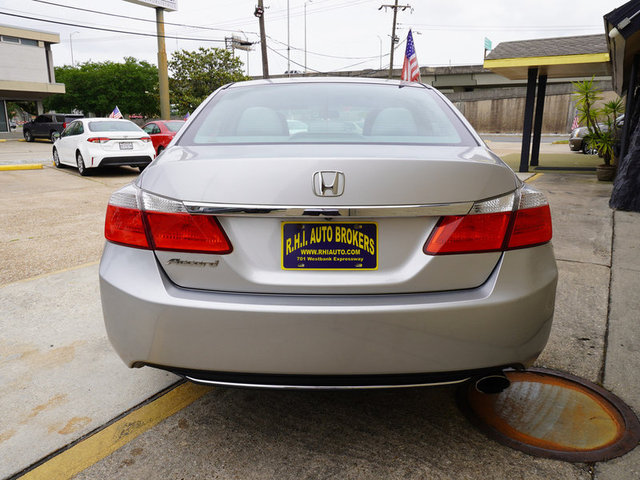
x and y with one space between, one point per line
70 407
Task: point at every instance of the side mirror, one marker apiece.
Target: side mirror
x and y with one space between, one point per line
55 136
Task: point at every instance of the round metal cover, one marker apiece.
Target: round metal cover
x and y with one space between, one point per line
553 415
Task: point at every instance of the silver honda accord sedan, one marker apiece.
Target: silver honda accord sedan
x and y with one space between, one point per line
328 233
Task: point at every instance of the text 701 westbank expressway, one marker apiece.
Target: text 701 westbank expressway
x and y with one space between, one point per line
328 233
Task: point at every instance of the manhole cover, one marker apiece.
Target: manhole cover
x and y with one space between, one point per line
554 415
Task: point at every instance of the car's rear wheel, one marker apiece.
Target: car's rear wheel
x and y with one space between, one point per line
160 149
587 149
56 159
82 169
28 136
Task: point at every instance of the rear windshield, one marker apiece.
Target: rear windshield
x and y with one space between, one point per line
327 113
174 126
113 126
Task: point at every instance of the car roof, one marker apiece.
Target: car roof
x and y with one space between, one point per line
303 80
89 119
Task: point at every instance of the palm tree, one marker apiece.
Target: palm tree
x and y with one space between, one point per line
603 129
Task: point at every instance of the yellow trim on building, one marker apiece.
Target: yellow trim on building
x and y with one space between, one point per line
542 61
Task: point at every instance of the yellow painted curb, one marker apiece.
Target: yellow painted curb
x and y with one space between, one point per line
534 177
25 166
3 140
91 450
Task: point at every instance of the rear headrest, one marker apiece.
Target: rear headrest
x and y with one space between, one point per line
261 121
396 121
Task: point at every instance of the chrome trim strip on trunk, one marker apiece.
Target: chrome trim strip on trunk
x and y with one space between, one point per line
320 387
434 210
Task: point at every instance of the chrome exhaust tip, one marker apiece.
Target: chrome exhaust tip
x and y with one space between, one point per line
492 384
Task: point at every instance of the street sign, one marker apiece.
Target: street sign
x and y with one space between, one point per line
487 44
166 4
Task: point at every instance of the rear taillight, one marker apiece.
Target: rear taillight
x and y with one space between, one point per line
125 226
146 139
518 220
64 125
141 220
98 139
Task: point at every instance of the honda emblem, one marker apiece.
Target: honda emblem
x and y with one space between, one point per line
328 183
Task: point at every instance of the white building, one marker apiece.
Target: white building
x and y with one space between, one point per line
26 68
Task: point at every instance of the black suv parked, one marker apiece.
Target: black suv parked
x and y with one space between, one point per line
44 126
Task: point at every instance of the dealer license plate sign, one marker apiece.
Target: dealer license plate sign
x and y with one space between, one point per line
329 246
126 146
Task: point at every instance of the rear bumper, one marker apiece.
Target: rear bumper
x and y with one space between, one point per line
333 382
504 322
575 144
133 160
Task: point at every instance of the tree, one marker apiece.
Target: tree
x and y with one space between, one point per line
196 74
99 87
602 122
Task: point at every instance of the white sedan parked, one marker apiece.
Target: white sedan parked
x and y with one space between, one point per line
95 142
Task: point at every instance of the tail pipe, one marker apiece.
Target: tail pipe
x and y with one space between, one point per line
492 384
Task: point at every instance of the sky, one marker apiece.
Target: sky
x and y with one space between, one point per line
340 34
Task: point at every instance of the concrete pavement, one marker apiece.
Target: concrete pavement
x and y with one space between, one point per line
60 379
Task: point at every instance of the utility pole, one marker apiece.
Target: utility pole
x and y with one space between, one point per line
163 75
395 8
288 41
259 12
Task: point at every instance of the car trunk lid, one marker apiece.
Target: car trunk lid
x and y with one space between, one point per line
263 196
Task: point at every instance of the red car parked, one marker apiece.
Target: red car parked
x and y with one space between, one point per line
162 132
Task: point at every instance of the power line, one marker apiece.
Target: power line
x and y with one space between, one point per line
424 26
281 14
198 27
291 61
126 32
325 55
140 19
338 69
103 29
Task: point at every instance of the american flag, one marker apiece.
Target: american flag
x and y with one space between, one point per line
410 68
575 123
116 113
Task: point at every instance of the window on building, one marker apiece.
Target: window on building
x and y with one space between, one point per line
23 41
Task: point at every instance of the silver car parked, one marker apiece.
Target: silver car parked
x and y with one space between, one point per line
380 243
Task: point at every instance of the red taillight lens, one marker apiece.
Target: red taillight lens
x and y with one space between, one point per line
146 139
98 139
187 233
494 226
468 234
64 125
125 226
531 227
142 220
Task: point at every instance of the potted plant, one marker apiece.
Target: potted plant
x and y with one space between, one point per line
603 125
